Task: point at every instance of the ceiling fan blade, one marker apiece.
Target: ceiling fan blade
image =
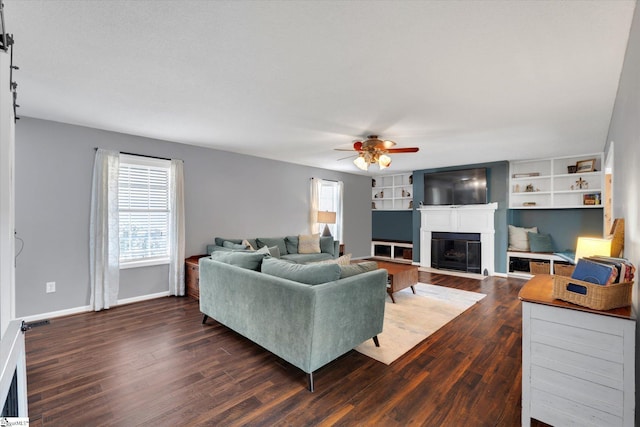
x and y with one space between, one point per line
343 149
348 157
403 150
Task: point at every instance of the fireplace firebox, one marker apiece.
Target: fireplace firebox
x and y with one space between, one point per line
456 251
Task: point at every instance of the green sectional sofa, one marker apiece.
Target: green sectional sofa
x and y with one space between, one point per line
308 325
287 247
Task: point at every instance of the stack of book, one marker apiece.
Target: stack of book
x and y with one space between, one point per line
602 270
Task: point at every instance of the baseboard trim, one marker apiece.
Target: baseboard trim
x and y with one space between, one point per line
86 308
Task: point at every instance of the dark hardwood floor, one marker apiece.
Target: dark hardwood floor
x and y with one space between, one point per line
154 363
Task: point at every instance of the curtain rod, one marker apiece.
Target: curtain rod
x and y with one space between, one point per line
140 155
330 180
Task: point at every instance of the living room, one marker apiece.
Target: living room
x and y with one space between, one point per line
226 193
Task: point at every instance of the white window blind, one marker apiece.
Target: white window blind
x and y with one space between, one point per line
143 204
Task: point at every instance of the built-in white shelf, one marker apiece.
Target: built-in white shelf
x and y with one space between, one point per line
549 184
392 192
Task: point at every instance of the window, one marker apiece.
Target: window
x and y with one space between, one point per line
143 206
330 199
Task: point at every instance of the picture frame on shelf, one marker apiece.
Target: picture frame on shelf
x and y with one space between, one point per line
586 166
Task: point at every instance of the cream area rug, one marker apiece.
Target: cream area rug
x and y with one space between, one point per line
414 317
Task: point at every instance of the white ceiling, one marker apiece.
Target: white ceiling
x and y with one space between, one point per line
466 81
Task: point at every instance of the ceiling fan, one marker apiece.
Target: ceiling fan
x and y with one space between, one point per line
375 150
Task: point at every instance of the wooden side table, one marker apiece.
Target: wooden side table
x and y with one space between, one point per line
341 249
192 275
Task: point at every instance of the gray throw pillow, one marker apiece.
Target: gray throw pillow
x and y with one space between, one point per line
272 251
272 241
291 242
358 268
220 241
312 274
248 260
326 245
231 245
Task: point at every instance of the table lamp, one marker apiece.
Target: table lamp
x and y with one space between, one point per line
326 218
589 246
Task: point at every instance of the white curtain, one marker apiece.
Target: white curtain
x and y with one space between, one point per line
104 242
176 229
339 206
314 205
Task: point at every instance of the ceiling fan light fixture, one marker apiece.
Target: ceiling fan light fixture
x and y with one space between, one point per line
361 163
384 161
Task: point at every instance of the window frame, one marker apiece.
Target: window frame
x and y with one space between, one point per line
142 161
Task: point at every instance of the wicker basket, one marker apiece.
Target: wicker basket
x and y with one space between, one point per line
597 297
563 269
539 267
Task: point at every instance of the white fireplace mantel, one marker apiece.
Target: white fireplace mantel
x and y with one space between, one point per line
459 219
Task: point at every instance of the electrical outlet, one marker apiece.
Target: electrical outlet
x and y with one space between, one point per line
51 287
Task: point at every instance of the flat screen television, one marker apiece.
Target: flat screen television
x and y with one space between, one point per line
460 187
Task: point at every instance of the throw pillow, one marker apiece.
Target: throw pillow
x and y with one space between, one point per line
248 260
231 245
308 274
309 244
292 244
271 242
271 251
518 239
220 241
540 242
343 260
326 245
357 268
248 245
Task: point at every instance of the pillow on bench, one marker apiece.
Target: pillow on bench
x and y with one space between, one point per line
540 242
518 238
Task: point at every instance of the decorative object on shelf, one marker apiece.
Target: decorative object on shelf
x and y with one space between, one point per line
410 204
586 166
405 193
373 182
516 188
591 199
373 205
326 218
529 188
528 203
572 169
410 179
582 184
375 150
525 175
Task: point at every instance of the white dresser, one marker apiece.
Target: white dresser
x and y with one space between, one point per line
578 365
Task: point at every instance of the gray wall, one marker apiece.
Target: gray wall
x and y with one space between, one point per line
624 131
226 194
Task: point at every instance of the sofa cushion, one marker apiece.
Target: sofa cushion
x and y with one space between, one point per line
248 260
306 258
540 242
271 251
343 260
309 244
308 274
358 268
216 248
326 244
231 245
518 239
272 241
292 244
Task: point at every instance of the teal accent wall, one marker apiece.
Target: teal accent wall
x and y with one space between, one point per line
497 183
564 225
392 225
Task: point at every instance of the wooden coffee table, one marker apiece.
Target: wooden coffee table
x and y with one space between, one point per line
400 276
